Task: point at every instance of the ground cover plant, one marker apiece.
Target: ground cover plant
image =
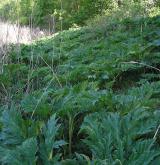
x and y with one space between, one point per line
83 96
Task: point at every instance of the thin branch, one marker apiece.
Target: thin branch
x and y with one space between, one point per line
134 62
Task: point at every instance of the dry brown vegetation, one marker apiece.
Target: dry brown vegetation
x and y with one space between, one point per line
12 33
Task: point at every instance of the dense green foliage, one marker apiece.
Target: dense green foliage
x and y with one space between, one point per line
62 14
84 96
40 12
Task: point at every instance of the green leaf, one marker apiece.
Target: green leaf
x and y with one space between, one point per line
114 137
13 130
50 131
24 153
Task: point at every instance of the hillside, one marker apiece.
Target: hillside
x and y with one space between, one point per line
95 88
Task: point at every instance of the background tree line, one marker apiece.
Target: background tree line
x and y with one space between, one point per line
62 13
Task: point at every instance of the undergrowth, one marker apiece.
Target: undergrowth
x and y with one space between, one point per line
84 96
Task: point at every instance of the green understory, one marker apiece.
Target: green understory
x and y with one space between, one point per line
87 96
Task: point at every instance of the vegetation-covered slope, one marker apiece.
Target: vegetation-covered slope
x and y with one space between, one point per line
103 85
